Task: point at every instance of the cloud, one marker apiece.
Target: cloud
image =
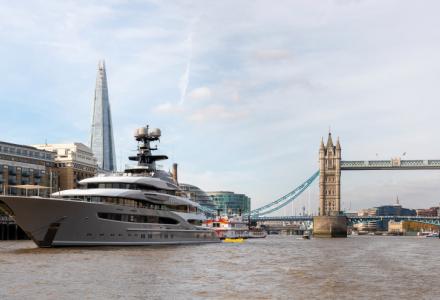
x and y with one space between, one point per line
215 113
184 79
200 93
271 55
168 108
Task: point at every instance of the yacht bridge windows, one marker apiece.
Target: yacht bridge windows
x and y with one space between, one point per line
127 186
131 203
137 218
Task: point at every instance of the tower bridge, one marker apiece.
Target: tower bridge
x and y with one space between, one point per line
392 164
352 220
330 221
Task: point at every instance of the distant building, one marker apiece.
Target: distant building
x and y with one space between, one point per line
394 210
230 203
102 142
367 212
75 161
22 166
429 212
387 210
396 228
409 227
198 195
366 226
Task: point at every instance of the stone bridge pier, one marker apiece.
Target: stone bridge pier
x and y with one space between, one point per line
330 222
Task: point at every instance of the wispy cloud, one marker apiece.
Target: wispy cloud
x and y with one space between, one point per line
184 80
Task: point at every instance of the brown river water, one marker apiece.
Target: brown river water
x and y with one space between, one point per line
278 267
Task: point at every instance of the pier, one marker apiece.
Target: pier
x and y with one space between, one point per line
9 230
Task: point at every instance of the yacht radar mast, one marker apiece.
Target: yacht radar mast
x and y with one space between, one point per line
146 160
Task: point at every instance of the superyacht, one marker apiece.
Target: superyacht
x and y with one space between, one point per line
141 206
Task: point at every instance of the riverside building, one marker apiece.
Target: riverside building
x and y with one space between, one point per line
429 212
386 210
23 166
230 203
74 161
198 195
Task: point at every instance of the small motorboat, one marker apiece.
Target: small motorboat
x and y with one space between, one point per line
306 235
432 235
233 240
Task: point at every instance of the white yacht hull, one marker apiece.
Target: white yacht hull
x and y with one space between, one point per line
52 222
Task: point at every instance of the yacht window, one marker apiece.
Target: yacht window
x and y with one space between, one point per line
137 218
195 222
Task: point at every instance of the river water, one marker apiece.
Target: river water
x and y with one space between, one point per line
278 267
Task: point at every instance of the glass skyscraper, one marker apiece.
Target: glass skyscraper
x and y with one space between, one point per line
102 143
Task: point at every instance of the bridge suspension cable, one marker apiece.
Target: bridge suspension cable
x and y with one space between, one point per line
286 199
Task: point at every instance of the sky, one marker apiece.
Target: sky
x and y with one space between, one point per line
242 90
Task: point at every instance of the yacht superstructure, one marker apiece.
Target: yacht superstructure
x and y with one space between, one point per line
141 206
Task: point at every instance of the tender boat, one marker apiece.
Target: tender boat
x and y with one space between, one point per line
233 240
141 206
306 235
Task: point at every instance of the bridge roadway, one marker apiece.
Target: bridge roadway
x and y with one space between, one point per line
355 219
393 164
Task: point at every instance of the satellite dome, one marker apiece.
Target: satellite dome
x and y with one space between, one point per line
155 133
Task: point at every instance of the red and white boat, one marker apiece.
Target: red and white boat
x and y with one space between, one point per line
233 227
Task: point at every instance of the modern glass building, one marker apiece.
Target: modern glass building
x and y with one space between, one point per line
102 143
230 203
198 195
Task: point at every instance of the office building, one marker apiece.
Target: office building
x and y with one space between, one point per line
230 203
102 142
22 167
74 161
198 195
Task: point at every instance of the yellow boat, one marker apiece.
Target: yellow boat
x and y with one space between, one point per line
233 240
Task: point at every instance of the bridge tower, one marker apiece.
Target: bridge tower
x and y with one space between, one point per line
330 222
329 178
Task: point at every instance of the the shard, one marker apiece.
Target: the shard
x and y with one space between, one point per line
102 142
